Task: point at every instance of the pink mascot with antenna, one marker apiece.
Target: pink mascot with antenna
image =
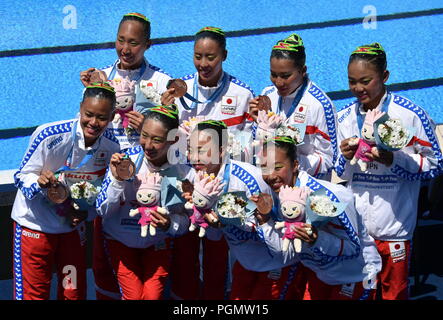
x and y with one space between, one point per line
148 196
125 95
293 202
367 142
207 189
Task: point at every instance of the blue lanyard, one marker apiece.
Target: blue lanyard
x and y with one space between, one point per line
226 176
297 182
194 97
139 162
114 68
361 119
296 101
86 158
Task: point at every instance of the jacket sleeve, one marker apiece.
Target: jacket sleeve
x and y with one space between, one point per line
342 166
423 159
25 179
108 200
318 156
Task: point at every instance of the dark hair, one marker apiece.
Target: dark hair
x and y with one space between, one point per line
146 25
218 126
213 33
373 54
284 144
167 115
100 93
291 48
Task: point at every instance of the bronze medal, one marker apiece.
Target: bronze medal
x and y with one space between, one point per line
180 87
58 193
98 76
125 169
264 103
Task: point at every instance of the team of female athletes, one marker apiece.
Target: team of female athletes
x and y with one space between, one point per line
365 247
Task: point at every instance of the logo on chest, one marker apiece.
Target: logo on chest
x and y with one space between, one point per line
300 113
100 158
229 105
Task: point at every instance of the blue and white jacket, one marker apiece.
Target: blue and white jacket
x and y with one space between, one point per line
49 148
387 197
343 252
231 106
318 153
117 198
157 78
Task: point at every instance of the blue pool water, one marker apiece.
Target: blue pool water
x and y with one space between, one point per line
42 88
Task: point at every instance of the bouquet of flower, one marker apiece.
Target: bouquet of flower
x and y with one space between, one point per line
149 98
320 209
390 133
233 208
295 131
84 194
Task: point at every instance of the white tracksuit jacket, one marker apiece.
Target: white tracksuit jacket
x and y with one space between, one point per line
158 79
118 197
49 148
319 151
343 253
387 197
232 105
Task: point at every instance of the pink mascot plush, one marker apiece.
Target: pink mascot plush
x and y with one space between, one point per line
293 202
207 189
125 94
367 142
148 196
267 123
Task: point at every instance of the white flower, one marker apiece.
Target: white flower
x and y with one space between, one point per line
289 131
150 93
393 134
230 206
323 206
84 190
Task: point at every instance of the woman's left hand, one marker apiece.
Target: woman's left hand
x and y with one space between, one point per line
160 220
383 156
307 233
264 203
135 120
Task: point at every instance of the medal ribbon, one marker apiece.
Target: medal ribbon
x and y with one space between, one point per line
194 97
296 101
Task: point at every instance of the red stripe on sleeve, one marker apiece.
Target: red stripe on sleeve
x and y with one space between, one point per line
314 130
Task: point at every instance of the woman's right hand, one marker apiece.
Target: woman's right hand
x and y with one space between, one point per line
116 159
347 150
168 97
253 108
46 179
85 76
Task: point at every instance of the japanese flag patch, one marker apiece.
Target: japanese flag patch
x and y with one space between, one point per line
148 83
229 105
300 113
398 251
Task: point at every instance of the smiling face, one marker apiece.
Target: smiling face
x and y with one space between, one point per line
277 168
204 151
291 209
366 83
147 197
154 140
208 60
131 44
198 200
95 115
286 76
